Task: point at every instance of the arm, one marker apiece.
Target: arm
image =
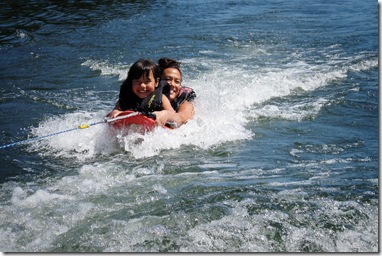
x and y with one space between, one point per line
185 112
117 109
167 114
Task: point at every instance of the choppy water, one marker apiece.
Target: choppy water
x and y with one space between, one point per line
282 155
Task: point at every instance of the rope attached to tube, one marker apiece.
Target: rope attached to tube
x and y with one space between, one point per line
80 127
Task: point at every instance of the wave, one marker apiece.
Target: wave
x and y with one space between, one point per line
228 97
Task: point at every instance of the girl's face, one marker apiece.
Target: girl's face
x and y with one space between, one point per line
174 78
145 85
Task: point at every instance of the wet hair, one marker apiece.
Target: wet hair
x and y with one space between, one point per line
169 63
139 68
142 67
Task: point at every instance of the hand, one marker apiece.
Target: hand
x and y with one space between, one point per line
113 113
161 117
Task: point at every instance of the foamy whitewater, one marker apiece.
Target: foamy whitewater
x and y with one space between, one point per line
220 106
281 156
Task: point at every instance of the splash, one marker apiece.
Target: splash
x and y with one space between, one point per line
107 69
228 97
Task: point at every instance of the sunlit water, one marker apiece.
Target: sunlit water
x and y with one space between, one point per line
281 156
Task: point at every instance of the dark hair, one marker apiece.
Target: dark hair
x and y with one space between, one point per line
139 68
169 63
142 67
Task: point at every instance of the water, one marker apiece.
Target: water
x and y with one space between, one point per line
282 155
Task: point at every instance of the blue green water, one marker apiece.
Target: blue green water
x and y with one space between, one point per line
281 156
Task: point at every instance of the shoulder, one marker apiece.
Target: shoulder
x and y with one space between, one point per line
186 93
186 89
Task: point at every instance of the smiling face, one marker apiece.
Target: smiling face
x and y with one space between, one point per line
145 85
174 78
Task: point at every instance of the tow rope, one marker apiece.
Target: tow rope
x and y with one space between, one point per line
83 126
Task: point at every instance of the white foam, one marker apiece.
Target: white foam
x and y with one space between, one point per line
288 111
40 197
79 143
108 69
271 230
